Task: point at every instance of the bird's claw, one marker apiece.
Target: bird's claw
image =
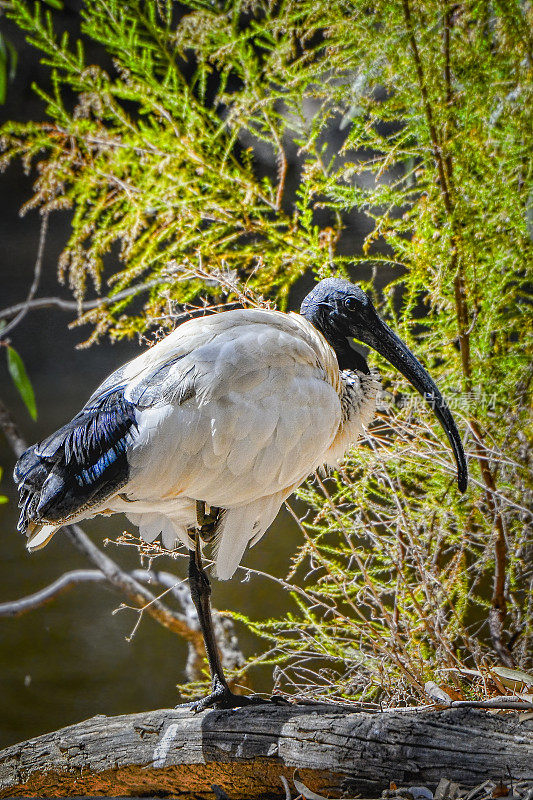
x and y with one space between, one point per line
225 700
231 700
221 697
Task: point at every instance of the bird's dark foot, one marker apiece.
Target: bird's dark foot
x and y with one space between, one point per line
221 696
225 698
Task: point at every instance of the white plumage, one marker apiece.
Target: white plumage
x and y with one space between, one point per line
236 410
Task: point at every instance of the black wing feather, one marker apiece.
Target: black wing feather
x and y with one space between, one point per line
79 465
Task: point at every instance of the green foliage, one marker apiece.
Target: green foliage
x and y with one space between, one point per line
20 378
158 160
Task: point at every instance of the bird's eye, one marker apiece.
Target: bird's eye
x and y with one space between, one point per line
350 302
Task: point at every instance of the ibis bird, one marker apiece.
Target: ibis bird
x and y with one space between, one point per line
203 436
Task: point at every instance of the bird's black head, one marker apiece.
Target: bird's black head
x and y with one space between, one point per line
342 312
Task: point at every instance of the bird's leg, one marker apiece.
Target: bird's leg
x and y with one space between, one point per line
221 695
207 522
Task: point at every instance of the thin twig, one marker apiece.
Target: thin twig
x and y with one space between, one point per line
15 608
500 703
132 589
70 305
281 159
36 278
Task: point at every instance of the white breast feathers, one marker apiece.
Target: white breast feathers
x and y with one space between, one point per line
358 403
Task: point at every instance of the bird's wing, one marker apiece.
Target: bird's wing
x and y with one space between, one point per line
85 461
211 412
79 465
240 417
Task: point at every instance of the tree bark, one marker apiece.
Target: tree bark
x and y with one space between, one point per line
175 753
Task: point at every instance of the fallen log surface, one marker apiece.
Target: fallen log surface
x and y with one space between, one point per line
335 749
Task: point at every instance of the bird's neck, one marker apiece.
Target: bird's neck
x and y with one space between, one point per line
350 359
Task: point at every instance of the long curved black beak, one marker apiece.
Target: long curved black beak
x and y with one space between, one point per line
382 339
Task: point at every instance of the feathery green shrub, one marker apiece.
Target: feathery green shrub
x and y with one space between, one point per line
399 579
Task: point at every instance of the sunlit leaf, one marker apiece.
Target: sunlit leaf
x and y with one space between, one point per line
20 378
3 498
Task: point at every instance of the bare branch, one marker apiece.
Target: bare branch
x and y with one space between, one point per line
15 608
231 654
71 305
175 585
503 703
11 431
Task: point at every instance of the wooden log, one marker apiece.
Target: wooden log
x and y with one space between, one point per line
175 753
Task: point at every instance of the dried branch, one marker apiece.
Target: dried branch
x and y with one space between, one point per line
11 431
71 305
503 702
16 608
231 654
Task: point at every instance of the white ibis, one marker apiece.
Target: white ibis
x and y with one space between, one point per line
205 435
